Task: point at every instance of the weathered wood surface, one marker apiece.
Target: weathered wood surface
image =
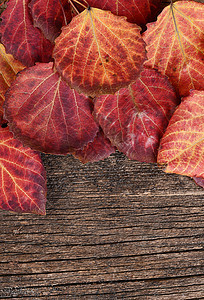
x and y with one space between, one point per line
116 229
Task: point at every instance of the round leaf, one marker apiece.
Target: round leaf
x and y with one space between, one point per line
20 38
136 11
182 146
9 67
99 149
22 177
134 119
99 53
175 45
199 181
45 114
48 16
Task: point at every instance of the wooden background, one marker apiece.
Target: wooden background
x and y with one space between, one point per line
116 229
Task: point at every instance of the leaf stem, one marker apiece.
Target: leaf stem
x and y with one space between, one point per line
86 2
81 3
74 7
65 19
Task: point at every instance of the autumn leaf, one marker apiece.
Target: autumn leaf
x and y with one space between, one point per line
199 181
9 67
99 53
20 38
99 149
45 114
136 11
22 177
48 16
134 119
3 6
175 45
182 146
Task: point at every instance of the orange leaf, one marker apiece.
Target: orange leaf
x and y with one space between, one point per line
22 177
9 67
99 53
175 45
182 146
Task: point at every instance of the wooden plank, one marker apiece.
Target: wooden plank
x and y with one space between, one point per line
116 229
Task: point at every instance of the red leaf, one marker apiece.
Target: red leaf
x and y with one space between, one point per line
22 177
175 44
2 5
46 114
8 69
94 55
134 119
136 11
97 150
182 146
48 16
199 181
20 38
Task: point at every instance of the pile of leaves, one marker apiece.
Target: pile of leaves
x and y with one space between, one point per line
90 77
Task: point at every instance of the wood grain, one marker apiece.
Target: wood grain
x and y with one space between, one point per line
116 229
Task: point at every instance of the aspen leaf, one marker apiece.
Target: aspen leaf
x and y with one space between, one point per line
98 91
48 16
175 45
22 177
98 149
45 114
2 5
182 146
99 53
134 119
20 38
199 181
136 11
9 67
